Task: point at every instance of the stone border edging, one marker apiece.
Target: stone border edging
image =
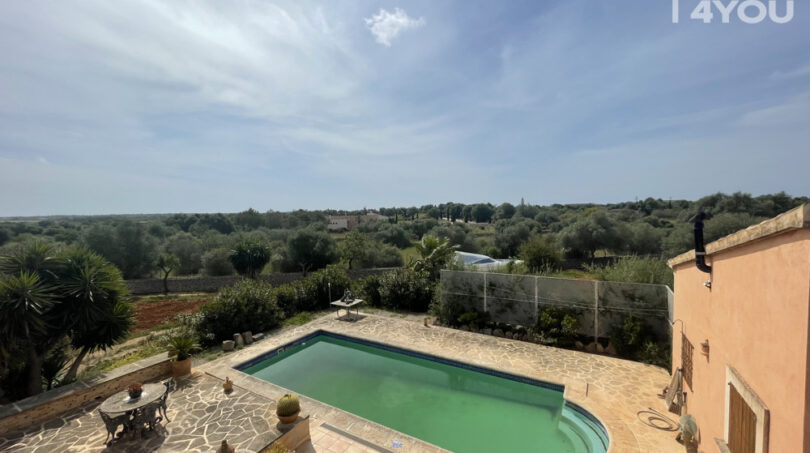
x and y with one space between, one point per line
39 408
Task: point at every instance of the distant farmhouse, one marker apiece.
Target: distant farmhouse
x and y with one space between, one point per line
350 222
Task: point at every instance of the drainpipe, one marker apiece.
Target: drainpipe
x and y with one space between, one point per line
700 249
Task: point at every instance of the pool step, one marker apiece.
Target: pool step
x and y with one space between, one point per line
359 440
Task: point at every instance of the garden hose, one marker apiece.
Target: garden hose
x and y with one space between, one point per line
657 420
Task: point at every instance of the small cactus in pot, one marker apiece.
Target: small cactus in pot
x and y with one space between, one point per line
288 408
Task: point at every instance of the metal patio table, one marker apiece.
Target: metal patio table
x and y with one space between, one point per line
348 305
121 403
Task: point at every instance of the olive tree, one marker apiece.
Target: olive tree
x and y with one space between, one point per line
310 249
166 263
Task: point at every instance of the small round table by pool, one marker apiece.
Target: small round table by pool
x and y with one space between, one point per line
121 402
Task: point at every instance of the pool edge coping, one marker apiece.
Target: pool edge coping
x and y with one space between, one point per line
555 386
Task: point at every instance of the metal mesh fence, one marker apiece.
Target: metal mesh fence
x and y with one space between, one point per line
518 299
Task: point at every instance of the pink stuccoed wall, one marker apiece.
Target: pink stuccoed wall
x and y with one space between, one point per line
756 320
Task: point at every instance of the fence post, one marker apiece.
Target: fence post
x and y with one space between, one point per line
596 311
485 293
536 299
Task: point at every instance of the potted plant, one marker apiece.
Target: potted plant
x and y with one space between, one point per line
135 390
288 408
180 348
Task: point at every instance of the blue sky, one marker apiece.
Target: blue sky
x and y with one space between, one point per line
205 106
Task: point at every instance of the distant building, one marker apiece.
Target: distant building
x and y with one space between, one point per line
350 222
338 223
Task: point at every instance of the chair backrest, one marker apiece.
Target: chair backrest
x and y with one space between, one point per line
146 414
169 386
112 422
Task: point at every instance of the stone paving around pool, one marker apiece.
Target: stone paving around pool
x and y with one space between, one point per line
613 390
202 415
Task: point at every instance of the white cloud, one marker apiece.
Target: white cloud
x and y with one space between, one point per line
385 25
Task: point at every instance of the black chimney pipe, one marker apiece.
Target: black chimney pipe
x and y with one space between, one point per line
700 249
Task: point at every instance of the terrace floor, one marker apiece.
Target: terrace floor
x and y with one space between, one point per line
202 415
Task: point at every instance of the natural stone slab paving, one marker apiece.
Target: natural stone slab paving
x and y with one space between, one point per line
202 415
612 389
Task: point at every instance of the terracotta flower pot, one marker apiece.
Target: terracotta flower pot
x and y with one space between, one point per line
289 418
181 368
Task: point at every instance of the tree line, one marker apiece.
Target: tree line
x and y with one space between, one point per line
202 244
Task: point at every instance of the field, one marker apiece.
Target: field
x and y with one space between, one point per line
152 312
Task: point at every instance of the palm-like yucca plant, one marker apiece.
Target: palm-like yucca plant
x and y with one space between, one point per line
24 301
249 258
90 287
48 294
181 346
102 336
34 257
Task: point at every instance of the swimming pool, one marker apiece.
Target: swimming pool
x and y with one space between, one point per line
453 405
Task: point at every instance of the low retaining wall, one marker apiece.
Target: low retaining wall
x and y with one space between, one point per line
213 284
47 405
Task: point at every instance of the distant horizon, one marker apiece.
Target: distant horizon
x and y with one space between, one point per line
377 208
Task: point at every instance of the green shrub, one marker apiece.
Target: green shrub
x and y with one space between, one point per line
557 325
634 339
247 305
405 289
314 291
474 319
655 354
369 289
447 311
218 262
541 253
287 299
634 270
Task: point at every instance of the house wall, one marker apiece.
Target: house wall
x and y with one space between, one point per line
338 224
755 318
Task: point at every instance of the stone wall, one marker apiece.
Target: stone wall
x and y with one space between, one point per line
47 405
212 284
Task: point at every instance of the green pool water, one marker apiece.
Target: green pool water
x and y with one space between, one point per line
458 409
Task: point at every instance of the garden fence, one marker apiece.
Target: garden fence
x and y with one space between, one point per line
519 299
